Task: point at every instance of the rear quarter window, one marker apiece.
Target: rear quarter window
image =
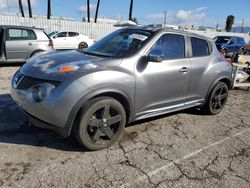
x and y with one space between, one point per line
200 47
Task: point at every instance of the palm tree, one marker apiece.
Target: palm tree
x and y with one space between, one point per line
49 9
131 9
97 9
229 23
88 11
21 7
30 10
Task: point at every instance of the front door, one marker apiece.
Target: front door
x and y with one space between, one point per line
162 86
60 41
1 43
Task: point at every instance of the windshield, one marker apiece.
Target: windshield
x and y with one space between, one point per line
221 39
52 33
121 43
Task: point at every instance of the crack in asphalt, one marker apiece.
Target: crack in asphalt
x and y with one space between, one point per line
176 162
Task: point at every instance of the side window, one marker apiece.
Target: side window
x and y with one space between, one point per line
20 34
73 34
199 47
240 41
172 46
62 34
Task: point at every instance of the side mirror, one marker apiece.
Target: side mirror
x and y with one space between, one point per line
155 56
54 37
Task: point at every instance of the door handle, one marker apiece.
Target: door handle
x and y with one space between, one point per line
30 43
184 69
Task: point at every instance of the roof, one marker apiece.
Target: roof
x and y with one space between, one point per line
162 29
19 26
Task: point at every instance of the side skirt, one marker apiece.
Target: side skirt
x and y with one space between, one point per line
166 110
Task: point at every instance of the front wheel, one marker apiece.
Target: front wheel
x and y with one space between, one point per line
217 99
102 121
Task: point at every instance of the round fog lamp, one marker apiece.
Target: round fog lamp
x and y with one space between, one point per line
38 93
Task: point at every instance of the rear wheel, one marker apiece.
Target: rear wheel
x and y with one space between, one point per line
82 45
217 99
102 121
224 52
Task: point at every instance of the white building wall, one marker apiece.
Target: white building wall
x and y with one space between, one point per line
96 30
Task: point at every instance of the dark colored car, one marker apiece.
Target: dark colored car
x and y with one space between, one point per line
229 44
131 74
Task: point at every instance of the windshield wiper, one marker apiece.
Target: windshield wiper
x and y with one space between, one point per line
97 54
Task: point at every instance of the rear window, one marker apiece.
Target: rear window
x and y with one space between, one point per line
73 34
21 34
46 34
199 47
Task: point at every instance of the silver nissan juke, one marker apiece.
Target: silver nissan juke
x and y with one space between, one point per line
131 74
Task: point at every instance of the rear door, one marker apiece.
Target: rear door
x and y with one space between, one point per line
19 43
200 62
74 40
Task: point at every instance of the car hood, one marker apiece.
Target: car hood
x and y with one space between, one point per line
46 66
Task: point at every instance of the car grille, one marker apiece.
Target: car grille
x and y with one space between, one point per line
21 81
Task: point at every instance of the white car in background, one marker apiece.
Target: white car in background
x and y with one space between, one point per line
70 40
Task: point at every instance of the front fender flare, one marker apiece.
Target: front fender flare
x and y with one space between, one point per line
92 94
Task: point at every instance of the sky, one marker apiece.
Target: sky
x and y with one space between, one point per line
178 12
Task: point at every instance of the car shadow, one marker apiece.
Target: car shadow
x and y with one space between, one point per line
11 64
15 129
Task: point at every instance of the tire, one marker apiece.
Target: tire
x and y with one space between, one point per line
36 52
241 51
101 122
224 52
217 98
82 45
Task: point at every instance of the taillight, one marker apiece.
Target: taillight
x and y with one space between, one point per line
229 60
50 43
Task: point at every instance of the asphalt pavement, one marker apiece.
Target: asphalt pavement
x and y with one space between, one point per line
184 149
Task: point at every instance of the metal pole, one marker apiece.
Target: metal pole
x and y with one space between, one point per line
21 7
88 11
8 7
30 10
49 10
97 9
242 25
165 17
131 10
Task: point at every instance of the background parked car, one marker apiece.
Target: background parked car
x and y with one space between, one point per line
18 43
70 40
229 44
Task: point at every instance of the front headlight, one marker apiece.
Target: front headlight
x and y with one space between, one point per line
38 93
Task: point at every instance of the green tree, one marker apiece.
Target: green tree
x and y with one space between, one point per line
229 23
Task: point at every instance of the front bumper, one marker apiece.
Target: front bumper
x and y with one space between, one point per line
64 132
54 112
